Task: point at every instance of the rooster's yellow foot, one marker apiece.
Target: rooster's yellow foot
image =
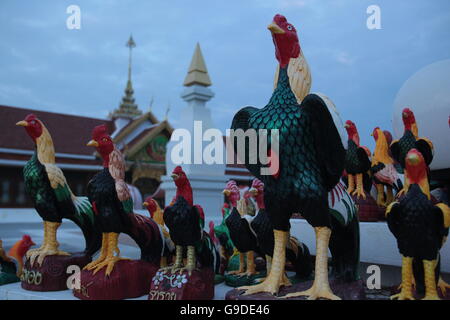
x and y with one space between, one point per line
359 193
400 193
268 285
109 263
92 265
315 292
443 286
403 295
41 254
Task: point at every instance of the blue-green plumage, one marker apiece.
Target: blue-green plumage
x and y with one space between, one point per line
311 155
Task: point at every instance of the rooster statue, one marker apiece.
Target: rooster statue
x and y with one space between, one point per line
156 214
241 233
357 162
11 264
408 141
46 184
311 160
297 253
226 246
113 206
420 227
383 169
186 222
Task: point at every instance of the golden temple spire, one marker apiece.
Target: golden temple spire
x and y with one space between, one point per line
127 108
197 73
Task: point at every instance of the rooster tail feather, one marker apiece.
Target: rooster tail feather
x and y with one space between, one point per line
345 249
84 218
298 254
148 236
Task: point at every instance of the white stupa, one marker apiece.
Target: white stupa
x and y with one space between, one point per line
207 180
427 94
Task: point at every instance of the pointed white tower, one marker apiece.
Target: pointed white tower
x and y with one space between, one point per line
207 180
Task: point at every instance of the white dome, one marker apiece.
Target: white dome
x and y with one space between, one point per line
427 94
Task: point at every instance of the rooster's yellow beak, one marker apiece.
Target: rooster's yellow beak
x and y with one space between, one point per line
22 123
145 204
274 28
92 143
226 192
253 191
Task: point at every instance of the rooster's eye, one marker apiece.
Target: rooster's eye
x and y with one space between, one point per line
289 27
105 139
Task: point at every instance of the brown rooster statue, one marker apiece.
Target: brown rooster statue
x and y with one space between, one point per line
113 207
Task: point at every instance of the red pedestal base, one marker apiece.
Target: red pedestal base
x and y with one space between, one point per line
129 279
344 290
52 274
198 286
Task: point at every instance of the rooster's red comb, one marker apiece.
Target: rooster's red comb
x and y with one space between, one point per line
30 117
99 131
178 170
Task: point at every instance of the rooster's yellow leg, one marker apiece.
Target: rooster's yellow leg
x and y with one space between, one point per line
443 286
407 276
359 191
275 278
178 260
191 260
321 286
389 195
32 254
268 265
380 195
251 267
110 259
351 183
51 247
103 253
241 269
430 280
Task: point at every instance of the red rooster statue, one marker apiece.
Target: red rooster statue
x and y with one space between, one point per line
113 206
357 162
185 222
311 158
241 233
420 227
408 141
11 264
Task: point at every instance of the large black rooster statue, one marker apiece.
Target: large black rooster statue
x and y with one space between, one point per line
311 160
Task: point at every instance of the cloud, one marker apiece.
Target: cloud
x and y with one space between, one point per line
344 58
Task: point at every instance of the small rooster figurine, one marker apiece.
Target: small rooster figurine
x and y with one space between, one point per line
11 264
408 141
241 233
419 226
311 158
47 186
113 205
383 170
223 235
296 252
186 222
357 161
156 214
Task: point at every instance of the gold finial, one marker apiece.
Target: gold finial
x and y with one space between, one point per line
130 44
197 73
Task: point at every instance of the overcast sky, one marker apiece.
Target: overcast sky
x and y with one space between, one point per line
44 65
